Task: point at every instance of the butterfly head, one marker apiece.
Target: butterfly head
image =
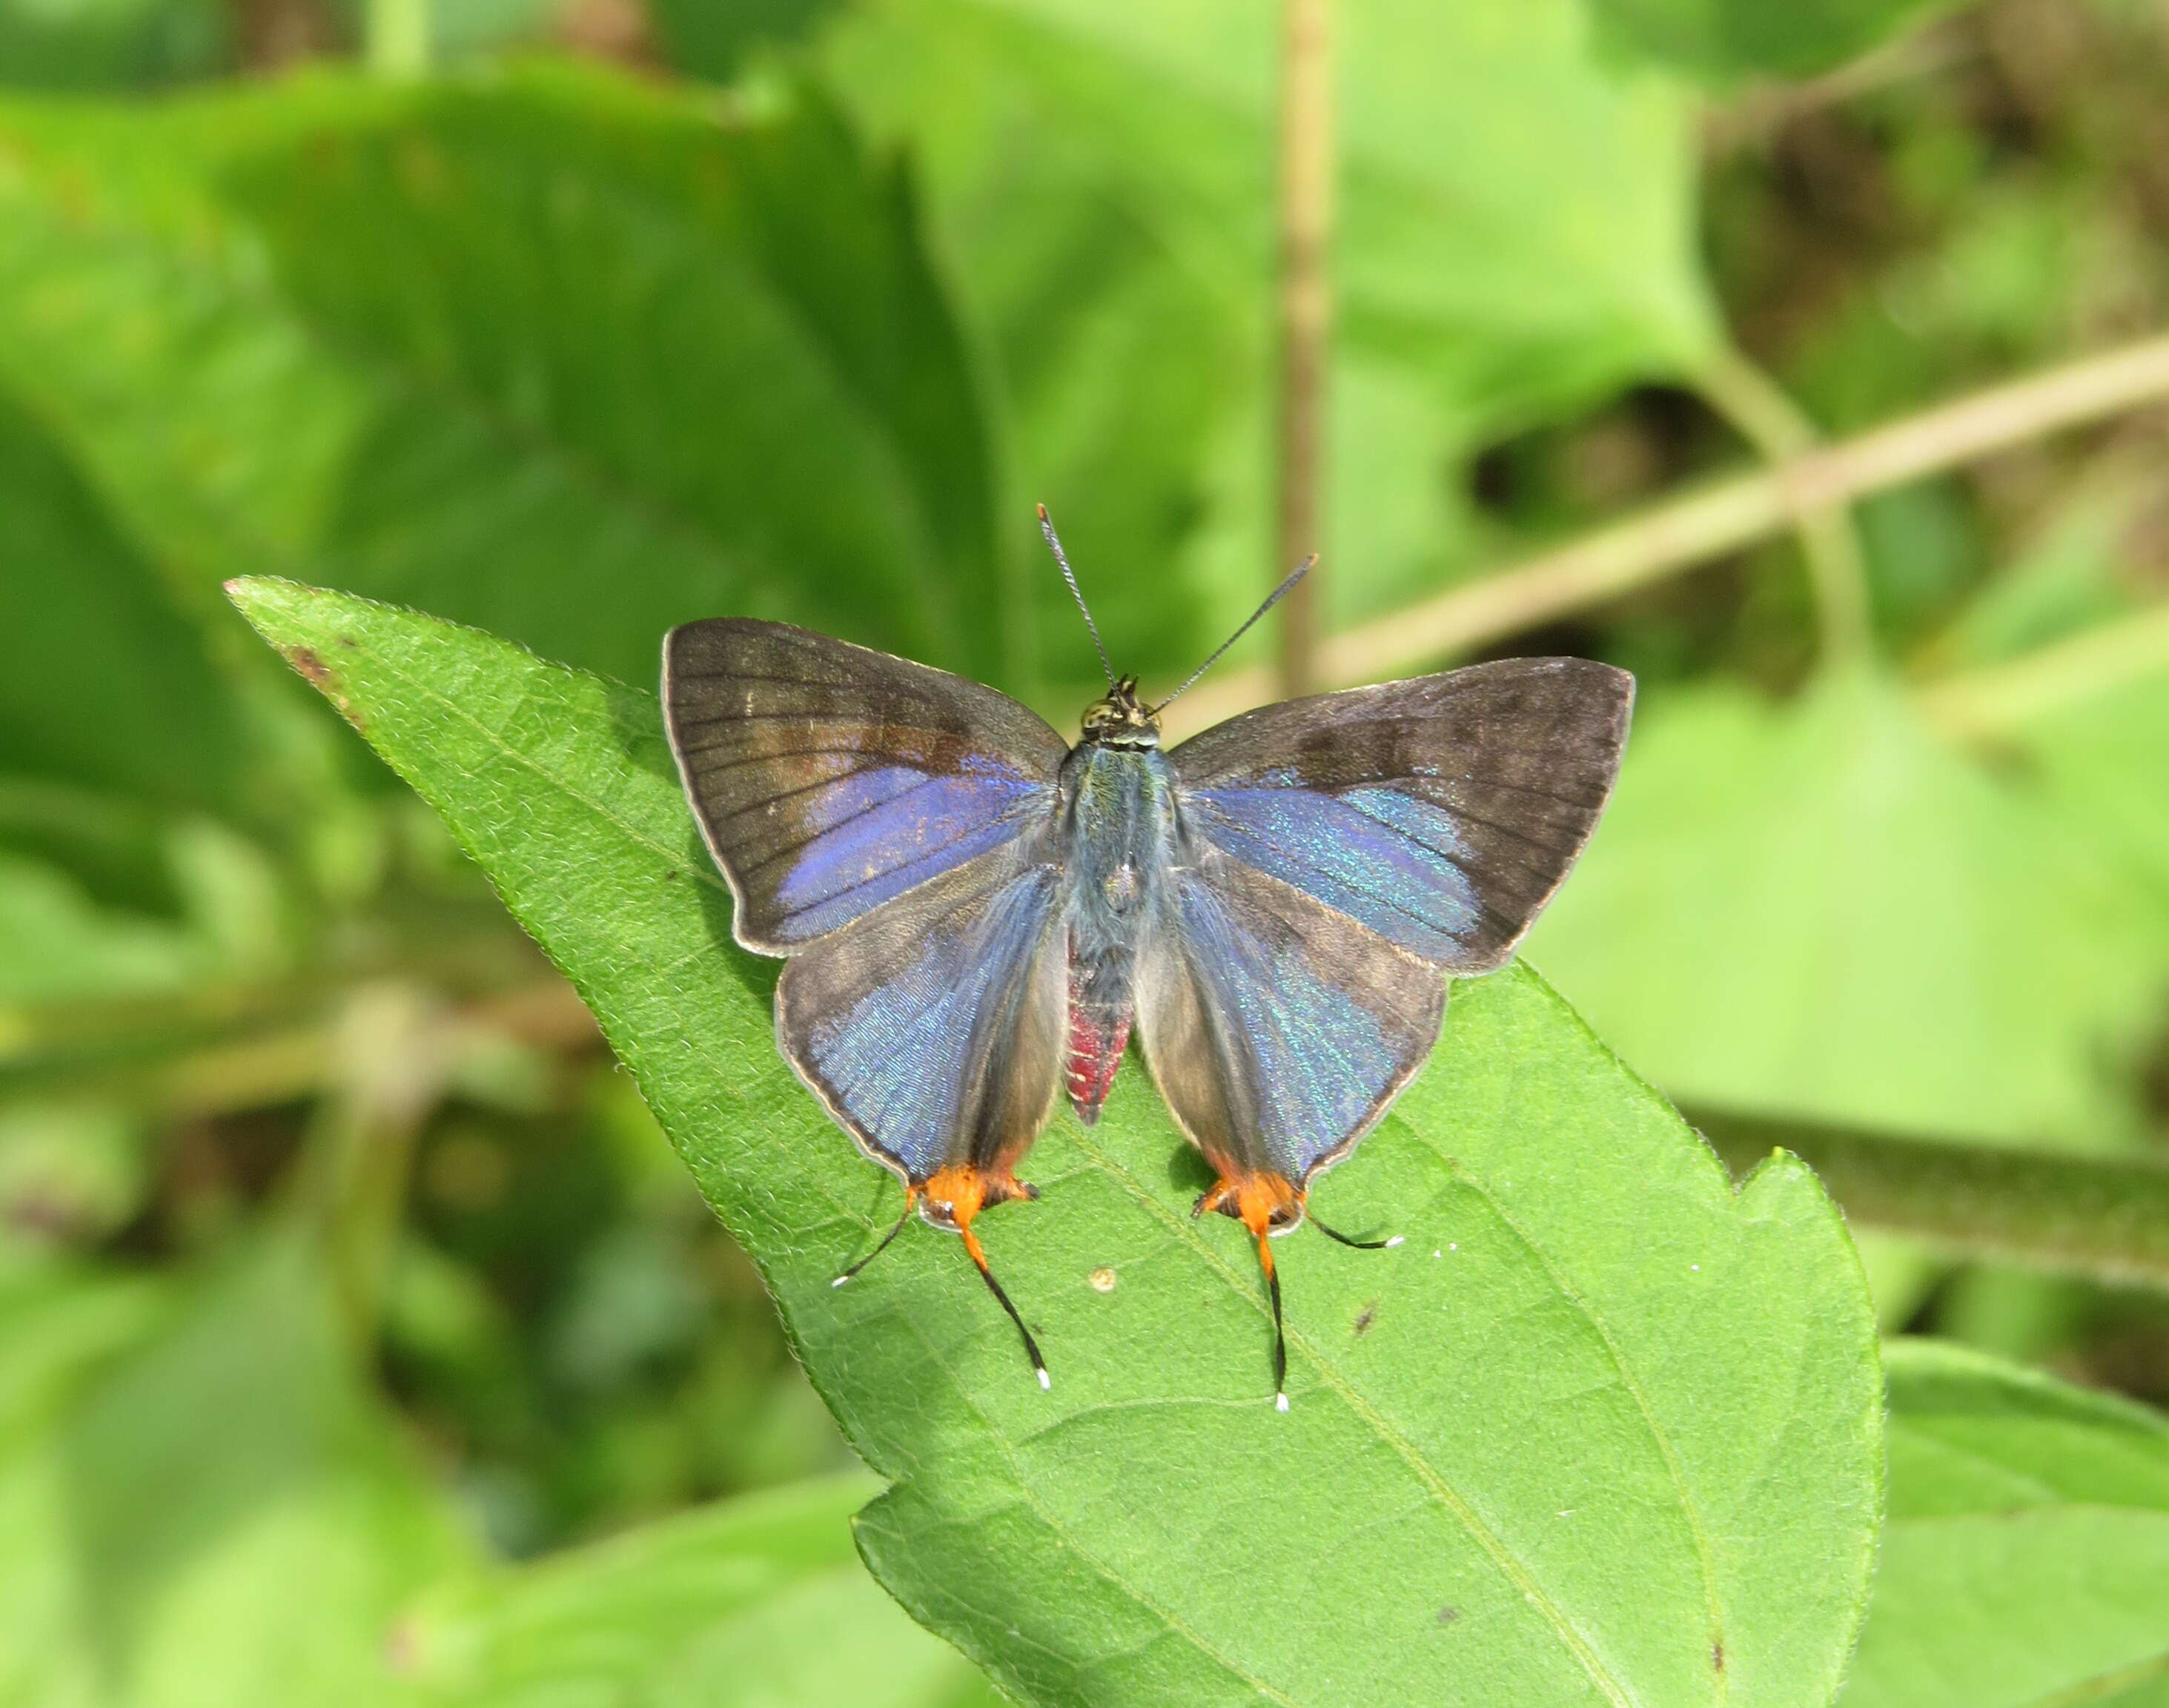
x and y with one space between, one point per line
1121 719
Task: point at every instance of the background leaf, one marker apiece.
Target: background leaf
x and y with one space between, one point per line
59 1325
112 43
1823 910
232 1466
2026 1560
501 348
1725 39
758 1600
1102 176
1654 1550
110 685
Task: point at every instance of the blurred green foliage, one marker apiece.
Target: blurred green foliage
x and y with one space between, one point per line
1095 1589
341 1273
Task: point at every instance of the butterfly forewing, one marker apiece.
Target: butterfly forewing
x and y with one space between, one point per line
1440 812
829 779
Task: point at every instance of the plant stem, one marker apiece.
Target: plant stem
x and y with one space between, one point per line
397 37
1680 532
2103 1219
1773 423
1305 320
2000 697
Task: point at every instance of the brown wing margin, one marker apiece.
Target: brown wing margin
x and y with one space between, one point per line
1441 812
828 779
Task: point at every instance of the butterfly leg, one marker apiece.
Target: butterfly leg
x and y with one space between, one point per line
954 1196
910 1204
1311 1216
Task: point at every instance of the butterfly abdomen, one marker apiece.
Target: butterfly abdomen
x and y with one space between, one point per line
1118 826
1099 1032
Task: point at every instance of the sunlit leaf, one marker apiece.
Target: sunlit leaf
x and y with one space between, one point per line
557 352
245 1522
59 1323
105 45
1604 1429
1723 40
1821 909
107 683
756 1601
2026 1560
1516 233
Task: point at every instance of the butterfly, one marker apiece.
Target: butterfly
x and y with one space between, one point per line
973 912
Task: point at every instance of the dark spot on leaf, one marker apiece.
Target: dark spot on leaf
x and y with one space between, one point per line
348 642
1446 1616
670 875
305 659
1717 1656
1365 1317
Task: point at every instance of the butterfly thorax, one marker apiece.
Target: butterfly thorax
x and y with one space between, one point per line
1120 836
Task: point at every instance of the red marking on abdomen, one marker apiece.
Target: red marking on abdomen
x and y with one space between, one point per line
1098 1034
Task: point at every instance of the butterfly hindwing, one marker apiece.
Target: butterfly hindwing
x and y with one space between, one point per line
1277 1029
829 780
1440 812
932 1028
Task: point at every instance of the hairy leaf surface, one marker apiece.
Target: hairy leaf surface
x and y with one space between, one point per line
1602 1430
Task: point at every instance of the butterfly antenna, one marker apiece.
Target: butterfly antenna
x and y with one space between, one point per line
994 1287
1349 1240
909 1199
1077 593
1279 1331
1272 599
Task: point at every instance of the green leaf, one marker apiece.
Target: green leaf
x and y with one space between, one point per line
245 1522
752 1601
1822 909
58 1323
104 681
1604 1429
2099 761
83 44
71 1173
57 945
2066 578
1102 175
2026 1561
1723 40
557 352
719 42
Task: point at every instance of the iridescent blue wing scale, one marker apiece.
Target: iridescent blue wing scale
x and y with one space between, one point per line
1277 1029
1440 812
829 780
1340 856
932 1028
888 828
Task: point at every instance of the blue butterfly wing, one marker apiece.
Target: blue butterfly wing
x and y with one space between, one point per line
1277 1029
829 780
1440 814
932 1028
